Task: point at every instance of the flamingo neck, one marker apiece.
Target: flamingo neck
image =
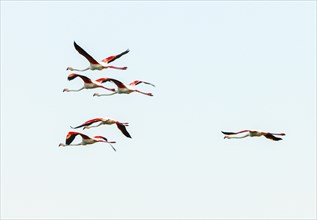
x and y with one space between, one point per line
73 90
64 145
236 137
73 69
97 94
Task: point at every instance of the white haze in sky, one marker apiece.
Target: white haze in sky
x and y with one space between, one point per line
216 65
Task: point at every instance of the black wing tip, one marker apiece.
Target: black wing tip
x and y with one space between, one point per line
228 133
272 137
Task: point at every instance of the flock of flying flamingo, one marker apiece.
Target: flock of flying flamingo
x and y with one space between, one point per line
98 83
123 89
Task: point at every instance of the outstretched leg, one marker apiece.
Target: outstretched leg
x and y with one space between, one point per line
144 93
118 68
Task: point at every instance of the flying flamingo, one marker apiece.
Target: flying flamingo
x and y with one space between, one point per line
125 89
253 133
95 65
88 83
105 121
85 140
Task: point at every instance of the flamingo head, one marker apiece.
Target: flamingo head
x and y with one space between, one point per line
226 137
65 90
96 94
70 68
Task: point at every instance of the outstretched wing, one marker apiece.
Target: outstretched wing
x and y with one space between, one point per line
85 54
272 137
71 136
103 80
123 130
101 137
87 123
137 82
229 133
117 82
113 58
74 75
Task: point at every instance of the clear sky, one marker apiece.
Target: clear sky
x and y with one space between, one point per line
216 65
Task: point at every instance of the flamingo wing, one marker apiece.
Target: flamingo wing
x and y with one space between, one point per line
229 133
123 129
85 54
137 82
272 137
87 123
103 80
113 58
74 75
101 137
71 136
117 82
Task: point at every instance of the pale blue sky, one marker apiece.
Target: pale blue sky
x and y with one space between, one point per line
216 65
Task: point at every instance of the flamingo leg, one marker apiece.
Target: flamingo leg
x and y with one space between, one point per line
144 93
118 68
112 147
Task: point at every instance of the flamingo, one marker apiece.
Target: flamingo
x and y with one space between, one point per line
85 140
125 89
105 121
95 65
88 83
253 133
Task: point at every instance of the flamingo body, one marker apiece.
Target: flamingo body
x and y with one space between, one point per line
105 121
95 65
253 133
125 89
86 140
88 83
